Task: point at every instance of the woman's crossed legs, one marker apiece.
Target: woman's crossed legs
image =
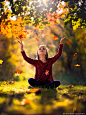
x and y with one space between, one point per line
35 83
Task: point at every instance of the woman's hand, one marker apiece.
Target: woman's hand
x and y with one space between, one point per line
61 41
21 45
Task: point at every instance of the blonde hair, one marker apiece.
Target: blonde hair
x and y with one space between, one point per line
46 56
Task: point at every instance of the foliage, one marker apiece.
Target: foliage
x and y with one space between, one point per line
77 13
40 13
73 56
77 41
36 13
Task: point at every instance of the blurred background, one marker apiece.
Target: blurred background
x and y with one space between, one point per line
64 69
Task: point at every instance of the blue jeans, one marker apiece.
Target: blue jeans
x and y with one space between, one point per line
35 83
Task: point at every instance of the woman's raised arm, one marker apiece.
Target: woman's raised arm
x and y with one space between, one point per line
57 56
21 45
28 59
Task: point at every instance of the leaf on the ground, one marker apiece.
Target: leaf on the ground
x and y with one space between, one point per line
33 90
71 86
26 101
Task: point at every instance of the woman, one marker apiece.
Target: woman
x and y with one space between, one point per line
43 76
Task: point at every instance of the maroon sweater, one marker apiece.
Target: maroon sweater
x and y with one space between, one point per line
43 70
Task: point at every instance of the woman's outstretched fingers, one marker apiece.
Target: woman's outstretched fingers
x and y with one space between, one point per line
19 42
64 37
61 41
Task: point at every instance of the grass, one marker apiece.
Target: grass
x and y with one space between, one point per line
71 78
15 98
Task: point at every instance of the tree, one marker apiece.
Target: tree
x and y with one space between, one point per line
77 13
36 13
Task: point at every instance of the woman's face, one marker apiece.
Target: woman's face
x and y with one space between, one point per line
42 50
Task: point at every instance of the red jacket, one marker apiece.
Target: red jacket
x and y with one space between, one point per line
44 70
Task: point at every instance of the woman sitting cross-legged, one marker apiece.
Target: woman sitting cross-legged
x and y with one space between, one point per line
43 77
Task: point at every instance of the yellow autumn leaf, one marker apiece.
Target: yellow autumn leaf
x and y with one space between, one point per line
62 16
74 27
1 61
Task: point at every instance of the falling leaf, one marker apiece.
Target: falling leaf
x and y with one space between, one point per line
1 61
26 32
55 38
18 72
68 42
76 65
20 36
37 39
75 54
47 72
36 29
36 34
